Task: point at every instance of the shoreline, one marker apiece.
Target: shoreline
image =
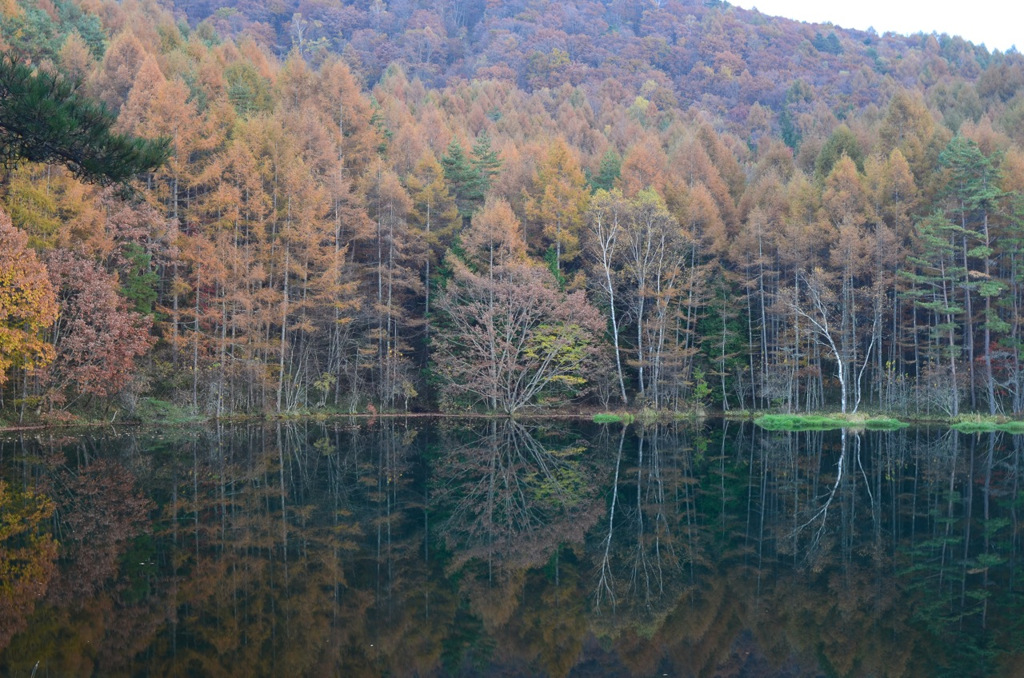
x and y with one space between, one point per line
967 423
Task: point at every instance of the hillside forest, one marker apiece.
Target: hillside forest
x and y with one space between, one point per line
467 205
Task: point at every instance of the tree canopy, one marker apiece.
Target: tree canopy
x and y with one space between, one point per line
43 118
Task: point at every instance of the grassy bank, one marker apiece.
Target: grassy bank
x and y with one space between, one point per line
614 418
157 412
971 423
817 422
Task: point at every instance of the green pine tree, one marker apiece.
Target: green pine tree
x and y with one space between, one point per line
485 161
464 180
43 118
608 171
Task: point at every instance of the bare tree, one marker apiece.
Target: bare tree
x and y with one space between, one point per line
510 339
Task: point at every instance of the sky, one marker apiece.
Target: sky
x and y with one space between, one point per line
999 24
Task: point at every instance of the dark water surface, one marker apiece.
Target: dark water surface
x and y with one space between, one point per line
421 548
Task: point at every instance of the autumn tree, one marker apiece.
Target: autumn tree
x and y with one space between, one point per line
397 249
908 126
28 306
434 213
510 340
556 204
494 239
97 337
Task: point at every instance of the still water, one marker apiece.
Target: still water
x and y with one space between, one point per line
500 548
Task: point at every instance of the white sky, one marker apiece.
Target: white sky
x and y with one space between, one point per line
999 24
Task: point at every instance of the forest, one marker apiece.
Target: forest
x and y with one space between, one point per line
473 206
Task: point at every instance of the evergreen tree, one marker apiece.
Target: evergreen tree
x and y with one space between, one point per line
933 290
974 188
464 180
485 161
608 171
43 118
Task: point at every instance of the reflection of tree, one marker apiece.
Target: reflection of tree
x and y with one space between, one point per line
606 579
768 597
814 516
315 549
26 557
510 499
516 505
672 502
98 514
672 530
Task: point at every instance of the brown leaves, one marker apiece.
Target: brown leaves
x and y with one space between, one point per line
97 338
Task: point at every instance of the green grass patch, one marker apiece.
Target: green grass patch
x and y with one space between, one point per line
613 418
987 426
817 422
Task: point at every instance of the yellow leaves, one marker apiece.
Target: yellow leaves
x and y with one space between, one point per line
558 200
495 237
27 303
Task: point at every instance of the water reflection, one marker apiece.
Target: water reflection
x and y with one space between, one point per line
505 497
498 547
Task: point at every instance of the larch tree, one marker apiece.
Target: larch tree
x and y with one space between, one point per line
644 166
396 251
117 73
846 203
494 238
556 204
434 213
702 235
161 108
908 126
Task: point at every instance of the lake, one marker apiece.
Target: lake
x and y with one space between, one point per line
419 547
